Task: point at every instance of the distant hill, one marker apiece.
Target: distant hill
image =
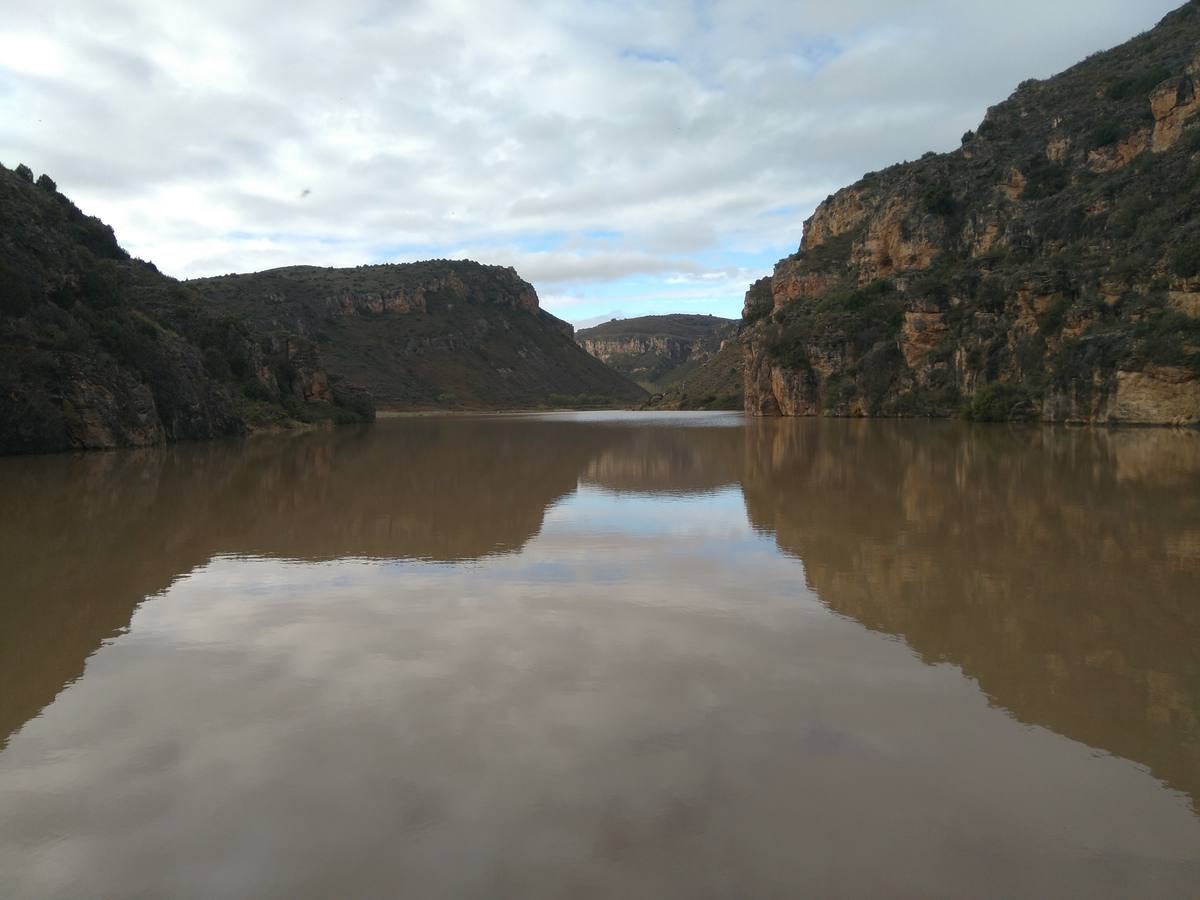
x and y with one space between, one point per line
1048 269
658 351
438 334
98 349
101 350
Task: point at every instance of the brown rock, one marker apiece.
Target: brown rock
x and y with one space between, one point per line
791 283
1162 394
921 333
1110 159
1172 103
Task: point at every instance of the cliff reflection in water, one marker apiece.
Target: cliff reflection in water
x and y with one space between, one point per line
1057 568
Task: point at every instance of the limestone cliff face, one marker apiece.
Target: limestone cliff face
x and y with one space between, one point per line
674 349
657 351
444 287
1046 269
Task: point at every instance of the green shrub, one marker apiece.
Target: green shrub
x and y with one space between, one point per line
1045 179
1138 85
1051 321
1185 259
939 200
16 291
1105 135
100 285
998 402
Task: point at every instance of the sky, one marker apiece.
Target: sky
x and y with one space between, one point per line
628 158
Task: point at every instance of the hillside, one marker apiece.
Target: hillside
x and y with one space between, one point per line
101 350
98 349
1048 269
657 351
432 334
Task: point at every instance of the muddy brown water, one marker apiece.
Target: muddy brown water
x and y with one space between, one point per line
605 655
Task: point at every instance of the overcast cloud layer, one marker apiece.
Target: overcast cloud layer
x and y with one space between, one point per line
626 157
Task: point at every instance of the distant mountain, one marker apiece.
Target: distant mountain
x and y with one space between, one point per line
1048 269
101 350
658 351
438 334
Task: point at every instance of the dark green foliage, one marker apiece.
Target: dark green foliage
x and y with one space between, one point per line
719 378
993 294
759 301
24 172
18 291
1138 85
82 326
1185 259
1167 338
100 284
1105 135
1051 321
786 345
1001 403
877 373
1045 179
938 199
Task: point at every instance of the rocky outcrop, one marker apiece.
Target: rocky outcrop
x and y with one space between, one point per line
657 350
1161 394
669 348
791 283
435 334
1172 104
1048 269
443 287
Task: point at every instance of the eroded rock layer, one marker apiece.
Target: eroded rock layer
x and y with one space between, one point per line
1046 269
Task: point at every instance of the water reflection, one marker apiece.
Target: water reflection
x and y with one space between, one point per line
1060 568
536 642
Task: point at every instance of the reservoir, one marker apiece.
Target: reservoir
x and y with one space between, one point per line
609 654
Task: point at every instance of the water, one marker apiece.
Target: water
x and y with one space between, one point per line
605 655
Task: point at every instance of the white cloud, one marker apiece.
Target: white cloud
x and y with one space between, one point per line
650 138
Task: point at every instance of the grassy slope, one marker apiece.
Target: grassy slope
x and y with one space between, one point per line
717 384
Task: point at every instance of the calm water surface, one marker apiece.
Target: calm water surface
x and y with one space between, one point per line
605 655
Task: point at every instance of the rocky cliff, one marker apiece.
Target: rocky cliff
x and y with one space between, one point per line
442 333
658 351
101 350
1047 269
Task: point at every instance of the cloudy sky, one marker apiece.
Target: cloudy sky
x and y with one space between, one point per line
627 157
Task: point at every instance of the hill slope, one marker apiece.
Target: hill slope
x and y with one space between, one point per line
439 333
657 351
1050 268
101 350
